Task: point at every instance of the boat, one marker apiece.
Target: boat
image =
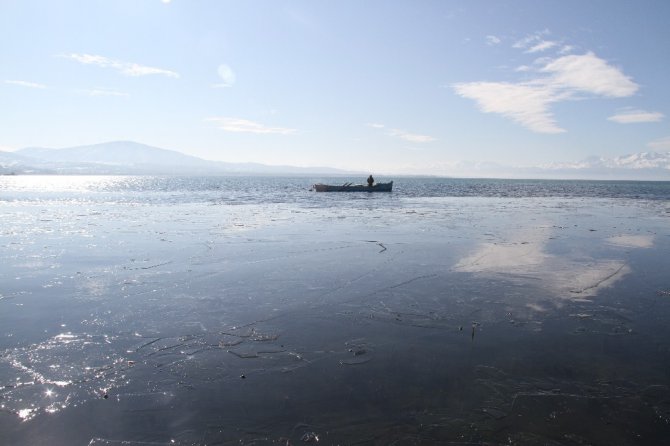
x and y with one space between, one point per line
350 187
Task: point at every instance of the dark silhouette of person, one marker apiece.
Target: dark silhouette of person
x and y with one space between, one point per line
371 181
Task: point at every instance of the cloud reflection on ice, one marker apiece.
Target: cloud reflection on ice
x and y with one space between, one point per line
524 255
632 241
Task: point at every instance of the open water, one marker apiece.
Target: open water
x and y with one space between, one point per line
251 310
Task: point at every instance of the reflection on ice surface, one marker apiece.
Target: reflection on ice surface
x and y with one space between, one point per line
577 273
632 241
373 321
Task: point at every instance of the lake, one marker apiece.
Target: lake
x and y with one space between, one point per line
252 310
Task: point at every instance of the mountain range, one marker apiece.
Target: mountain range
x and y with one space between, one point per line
132 158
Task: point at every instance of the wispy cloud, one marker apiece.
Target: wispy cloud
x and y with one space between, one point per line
239 125
530 40
104 92
590 74
411 137
541 46
402 134
126 68
557 79
660 144
535 43
524 103
227 76
636 116
492 40
26 84
565 49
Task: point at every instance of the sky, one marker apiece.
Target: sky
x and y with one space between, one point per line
383 86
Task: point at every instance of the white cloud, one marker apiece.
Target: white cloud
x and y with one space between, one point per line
541 61
565 49
227 76
26 84
402 134
126 68
559 79
530 40
105 92
536 43
591 74
411 137
660 144
541 46
636 116
526 104
492 40
245 126
133 69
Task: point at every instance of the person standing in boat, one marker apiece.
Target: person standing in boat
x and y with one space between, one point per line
371 181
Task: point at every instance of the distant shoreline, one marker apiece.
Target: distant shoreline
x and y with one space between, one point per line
328 175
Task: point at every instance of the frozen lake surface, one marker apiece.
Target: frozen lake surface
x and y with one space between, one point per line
140 310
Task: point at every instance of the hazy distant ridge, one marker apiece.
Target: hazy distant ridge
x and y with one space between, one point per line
127 157
117 153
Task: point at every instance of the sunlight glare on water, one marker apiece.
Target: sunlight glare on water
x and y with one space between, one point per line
60 183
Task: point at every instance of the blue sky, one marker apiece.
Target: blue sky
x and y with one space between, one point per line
386 86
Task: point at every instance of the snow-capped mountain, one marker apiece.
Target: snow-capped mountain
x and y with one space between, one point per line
650 166
636 166
643 160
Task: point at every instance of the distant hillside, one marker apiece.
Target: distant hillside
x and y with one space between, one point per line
131 158
117 153
11 163
127 157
